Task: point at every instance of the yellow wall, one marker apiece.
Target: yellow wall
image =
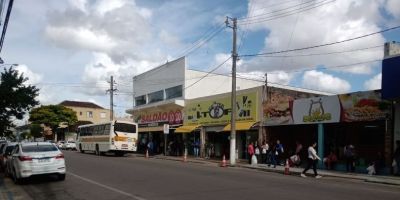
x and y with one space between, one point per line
81 113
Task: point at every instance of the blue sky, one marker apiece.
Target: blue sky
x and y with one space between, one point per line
69 49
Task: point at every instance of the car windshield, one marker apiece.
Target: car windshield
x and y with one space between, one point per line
126 128
71 142
38 148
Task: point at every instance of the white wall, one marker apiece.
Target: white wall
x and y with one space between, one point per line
213 84
168 75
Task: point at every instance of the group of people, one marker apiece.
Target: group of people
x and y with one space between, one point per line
264 153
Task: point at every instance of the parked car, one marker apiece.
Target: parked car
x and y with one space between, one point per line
2 146
69 145
6 154
36 158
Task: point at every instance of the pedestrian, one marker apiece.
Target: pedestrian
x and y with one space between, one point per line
331 160
350 157
257 151
196 147
396 159
150 147
264 151
278 152
312 161
272 157
250 151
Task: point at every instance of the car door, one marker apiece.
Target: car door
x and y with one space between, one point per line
14 159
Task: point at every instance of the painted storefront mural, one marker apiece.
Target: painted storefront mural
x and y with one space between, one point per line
218 111
364 106
284 109
278 106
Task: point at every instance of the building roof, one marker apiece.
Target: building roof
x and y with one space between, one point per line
80 104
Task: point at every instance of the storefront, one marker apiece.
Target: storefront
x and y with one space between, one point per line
208 119
151 123
360 119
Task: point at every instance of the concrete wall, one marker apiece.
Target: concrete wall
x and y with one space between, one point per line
81 113
213 84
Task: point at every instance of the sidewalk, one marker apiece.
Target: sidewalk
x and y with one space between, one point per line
390 180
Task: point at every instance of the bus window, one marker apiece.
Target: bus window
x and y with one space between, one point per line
127 128
107 129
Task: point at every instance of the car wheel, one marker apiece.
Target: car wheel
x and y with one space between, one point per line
16 179
61 177
97 150
80 149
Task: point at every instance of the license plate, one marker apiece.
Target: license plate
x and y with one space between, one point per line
124 145
44 160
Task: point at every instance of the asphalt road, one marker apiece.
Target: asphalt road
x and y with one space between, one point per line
107 178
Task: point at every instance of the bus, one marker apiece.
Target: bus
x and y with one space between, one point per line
119 137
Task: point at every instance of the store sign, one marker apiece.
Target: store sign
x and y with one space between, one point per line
277 109
364 106
316 110
171 117
218 111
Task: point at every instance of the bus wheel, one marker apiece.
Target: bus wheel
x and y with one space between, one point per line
97 150
80 148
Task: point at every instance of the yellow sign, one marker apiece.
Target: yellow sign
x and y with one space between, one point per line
218 111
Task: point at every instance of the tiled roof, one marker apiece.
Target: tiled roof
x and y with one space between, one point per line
80 104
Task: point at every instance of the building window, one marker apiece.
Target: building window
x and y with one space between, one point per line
80 113
141 100
173 92
89 114
156 96
103 115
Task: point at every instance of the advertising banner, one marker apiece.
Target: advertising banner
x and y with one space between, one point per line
277 109
316 110
218 111
155 118
364 106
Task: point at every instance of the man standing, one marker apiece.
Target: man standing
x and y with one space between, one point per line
279 151
312 161
349 154
250 151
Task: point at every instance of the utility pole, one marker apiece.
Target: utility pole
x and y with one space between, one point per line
232 154
111 91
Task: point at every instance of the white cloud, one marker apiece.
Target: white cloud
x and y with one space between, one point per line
325 82
169 39
335 21
393 7
33 78
277 77
374 83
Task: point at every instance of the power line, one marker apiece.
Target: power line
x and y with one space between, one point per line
321 45
275 11
282 15
3 34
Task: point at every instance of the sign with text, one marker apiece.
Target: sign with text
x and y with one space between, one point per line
171 117
218 111
316 110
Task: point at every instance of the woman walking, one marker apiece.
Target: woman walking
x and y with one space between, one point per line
312 161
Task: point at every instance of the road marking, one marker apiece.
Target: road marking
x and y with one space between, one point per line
107 187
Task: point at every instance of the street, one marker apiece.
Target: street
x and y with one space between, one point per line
131 177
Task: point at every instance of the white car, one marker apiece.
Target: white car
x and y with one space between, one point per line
60 144
69 145
36 158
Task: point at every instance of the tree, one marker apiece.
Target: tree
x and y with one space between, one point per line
16 98
36 130
52 116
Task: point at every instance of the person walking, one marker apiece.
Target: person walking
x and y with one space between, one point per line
349 155
279 152
264 151
312 161
250 151
257 151
196 147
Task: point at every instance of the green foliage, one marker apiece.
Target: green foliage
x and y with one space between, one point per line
36 130
16 98
53 115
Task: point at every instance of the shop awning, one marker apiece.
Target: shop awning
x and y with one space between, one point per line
151 129
186 129
240 126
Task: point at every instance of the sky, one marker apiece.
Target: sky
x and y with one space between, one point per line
69 49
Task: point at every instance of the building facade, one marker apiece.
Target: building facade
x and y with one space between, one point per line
88 112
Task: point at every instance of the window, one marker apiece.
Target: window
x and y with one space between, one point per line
140 100
126 128
80 113
39 148
107 129
173 92
156 96
103 115
89 114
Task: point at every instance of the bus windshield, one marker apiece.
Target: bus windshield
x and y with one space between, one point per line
126 128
